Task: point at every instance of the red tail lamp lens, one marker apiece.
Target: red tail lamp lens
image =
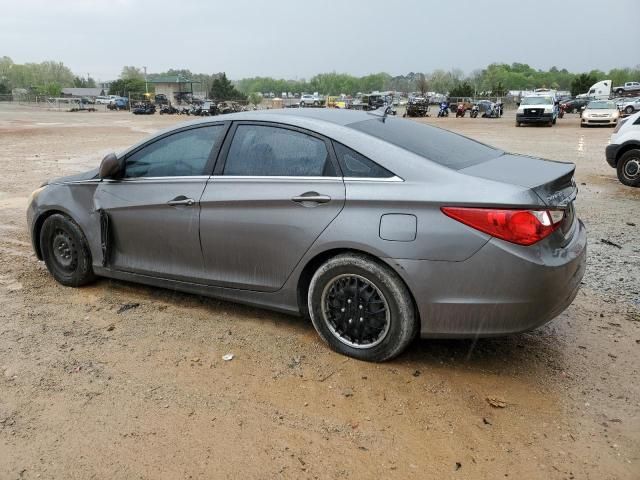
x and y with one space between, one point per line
524 227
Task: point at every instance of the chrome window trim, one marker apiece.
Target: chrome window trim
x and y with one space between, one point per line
393 179
276 177
303 178
184 178
198 178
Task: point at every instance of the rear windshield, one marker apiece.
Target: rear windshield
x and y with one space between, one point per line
435 144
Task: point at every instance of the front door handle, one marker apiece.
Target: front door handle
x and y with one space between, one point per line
312 197
181 201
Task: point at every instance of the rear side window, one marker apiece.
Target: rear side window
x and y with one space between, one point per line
436 144
355 165
260 150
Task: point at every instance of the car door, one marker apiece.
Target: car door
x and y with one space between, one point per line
153 211
274 190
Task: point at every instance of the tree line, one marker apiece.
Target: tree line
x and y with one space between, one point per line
48 78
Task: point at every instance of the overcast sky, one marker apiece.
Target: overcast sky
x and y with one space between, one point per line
298 38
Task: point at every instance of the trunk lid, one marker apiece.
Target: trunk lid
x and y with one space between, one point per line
552 181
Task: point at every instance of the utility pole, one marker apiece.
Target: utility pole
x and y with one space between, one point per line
146 86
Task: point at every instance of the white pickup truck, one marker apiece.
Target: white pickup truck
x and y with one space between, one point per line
628 87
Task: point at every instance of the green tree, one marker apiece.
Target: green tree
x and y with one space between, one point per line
422 85
463 89
81 82
582 82
255 98
132 73
222 89
127 87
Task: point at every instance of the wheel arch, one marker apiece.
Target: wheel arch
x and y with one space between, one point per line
304 279
633 145
37 228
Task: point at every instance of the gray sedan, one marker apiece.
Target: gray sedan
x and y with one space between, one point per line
379 229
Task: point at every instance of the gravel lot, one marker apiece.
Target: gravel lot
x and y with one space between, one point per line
89 389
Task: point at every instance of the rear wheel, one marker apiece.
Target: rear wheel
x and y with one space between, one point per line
65 251
629 168
629 110
361 308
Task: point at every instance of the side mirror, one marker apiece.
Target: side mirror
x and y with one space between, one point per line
111 167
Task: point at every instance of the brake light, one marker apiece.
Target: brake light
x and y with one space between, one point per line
523 227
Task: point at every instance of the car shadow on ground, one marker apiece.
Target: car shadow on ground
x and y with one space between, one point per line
535 353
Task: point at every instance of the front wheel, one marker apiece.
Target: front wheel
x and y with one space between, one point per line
628 168
628 110
361 308
65 251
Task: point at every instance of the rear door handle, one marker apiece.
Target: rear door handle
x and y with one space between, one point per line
181 201
312 197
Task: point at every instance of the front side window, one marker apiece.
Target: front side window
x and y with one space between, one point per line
184 153
260 150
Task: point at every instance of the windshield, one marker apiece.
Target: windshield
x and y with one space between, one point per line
536 101
603 105
436 144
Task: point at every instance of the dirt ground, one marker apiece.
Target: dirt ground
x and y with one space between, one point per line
89 389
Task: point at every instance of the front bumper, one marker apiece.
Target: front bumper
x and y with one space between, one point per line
502 289
542 118
611 153
600 121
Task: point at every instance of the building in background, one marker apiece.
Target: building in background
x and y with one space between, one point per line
176 88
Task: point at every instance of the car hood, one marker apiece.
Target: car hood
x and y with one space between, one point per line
78 177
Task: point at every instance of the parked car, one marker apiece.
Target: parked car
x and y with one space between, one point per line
466 102
575 105
484 105
378 228
417 107
628 105
628 87
623 151
102 100
600 112
119 103
306 100
537 108
144 109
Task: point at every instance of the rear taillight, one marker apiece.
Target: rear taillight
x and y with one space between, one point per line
524 227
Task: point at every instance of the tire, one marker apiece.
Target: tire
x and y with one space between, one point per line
628 168
628 110
301 104
554 121
315 104
341 277
620 91
65 251
518 124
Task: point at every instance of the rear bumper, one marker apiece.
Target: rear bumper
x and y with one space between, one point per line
542 118
502 289
611 153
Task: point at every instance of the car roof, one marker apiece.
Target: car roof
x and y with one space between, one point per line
295 116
